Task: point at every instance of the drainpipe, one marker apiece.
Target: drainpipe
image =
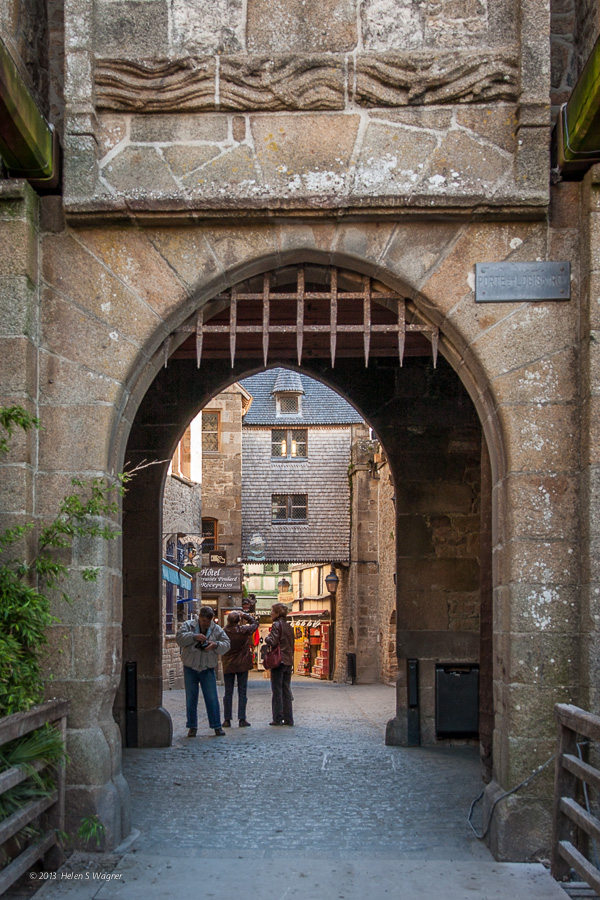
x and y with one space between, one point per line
28 144
576 136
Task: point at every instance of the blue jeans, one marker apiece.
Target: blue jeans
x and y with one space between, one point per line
207 680
242 682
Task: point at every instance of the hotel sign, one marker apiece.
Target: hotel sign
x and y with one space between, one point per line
519 281
221 578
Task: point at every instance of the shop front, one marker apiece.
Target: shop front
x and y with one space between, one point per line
312 641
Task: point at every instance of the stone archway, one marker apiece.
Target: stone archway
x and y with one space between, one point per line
119 292
383 393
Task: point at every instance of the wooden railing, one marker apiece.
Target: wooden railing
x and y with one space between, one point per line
11 728
575 825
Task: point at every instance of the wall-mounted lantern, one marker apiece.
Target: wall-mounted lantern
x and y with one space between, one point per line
331 582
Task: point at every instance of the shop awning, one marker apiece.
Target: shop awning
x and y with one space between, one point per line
311 618
174 575
309 613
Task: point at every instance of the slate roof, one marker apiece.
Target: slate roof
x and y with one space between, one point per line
288 381
320 405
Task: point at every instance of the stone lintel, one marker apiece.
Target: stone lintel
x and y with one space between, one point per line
450 645
301 81
169 211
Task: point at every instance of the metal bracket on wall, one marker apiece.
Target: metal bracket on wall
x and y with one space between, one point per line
333 296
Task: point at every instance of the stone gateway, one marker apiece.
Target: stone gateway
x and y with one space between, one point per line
216 149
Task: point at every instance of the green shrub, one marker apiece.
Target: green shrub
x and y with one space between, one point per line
28 581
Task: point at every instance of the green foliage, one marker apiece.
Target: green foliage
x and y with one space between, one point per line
91 829
11 418
27 580
44 745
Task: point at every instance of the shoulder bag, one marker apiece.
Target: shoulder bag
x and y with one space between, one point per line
272 658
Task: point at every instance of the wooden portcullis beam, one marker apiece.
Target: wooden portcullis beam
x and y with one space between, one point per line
316 320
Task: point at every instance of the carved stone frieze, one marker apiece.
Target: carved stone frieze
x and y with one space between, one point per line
321 81
282 82
402 79
155 85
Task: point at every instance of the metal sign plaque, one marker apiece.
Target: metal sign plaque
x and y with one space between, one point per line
217 558
518 281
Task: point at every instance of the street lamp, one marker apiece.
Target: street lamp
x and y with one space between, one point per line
331 582
283 586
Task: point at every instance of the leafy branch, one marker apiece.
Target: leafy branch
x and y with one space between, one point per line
27 580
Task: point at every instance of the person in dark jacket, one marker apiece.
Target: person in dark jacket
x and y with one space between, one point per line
282 635
237 662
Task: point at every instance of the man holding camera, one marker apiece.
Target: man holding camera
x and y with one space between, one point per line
201 643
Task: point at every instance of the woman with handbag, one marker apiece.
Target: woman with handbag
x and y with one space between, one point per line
280 660
237 662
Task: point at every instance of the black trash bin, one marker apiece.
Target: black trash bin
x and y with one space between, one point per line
457 700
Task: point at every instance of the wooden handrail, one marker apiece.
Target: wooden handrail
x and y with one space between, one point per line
11 728
573 824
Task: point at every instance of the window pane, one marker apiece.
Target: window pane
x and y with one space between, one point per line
279 507
210 431
299 442
209 533
299 505
278 442
289 404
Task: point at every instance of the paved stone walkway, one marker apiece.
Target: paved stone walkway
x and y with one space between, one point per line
323 809
328 786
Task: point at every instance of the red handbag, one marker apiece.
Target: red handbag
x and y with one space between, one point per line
272 658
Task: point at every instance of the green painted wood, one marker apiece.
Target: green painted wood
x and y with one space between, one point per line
581 116
26 139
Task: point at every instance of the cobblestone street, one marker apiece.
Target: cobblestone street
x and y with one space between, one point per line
328 786
323 809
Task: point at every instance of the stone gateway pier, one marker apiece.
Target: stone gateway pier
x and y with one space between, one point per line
320 180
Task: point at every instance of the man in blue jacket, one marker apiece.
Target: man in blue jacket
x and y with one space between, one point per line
201 643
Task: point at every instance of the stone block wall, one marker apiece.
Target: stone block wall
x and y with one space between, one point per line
222 474
387 574
19 326
182 506
287 104
172 666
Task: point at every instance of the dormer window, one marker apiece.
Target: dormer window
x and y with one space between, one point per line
288 404
288 391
